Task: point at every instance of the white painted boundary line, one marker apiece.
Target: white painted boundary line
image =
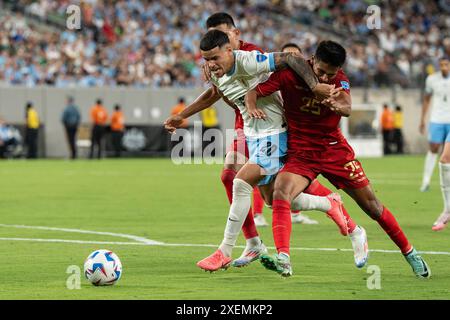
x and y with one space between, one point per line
120 235
141 241
198 245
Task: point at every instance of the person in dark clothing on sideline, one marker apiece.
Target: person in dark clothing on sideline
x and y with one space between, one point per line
32 128
99 117
71 119
117 128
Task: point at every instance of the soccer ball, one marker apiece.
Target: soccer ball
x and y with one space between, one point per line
103 268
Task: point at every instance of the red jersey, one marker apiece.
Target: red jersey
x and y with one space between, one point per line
312 126
238 121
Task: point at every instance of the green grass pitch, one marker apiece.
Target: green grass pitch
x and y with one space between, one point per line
186 204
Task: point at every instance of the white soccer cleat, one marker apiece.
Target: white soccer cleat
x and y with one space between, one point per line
249 255
260 221
360 246
441 222
302 218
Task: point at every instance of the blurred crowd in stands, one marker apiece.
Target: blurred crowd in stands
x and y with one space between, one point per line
155 43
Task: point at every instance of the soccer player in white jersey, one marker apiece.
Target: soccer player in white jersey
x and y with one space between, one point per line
437 95
437 91
234 73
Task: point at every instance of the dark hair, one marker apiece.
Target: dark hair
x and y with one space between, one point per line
444 57
331 53
99 101
117 107
29 104
291 45
212 39
398 108
219 18
181 100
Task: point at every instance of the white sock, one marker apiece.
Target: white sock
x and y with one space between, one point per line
444 173
286 255
356 231
430 162
305 201
242 199
253 242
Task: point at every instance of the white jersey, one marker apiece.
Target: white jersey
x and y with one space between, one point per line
439 88
250 69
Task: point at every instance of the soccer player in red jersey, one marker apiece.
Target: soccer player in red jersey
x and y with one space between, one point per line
317 146
237 154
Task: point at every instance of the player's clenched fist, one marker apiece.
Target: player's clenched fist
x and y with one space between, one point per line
173 122
323 91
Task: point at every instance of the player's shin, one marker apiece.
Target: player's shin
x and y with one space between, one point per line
317 189
227 178
239 208
430 162
390 225
281 225
444 173
306 201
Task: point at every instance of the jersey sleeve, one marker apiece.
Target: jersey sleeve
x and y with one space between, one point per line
255 63
428 86
342 81
271 85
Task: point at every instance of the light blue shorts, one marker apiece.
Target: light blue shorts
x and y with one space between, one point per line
269 153
439 132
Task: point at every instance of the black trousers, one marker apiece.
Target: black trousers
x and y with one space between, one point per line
31 141
397 139
117 142
387 140
71 133
97 140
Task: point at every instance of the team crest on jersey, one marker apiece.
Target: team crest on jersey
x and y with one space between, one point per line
261 58
345 85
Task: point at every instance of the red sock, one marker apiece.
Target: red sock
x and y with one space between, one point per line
258 202
317 189
227 178
390 226
295 211
281 225
248 228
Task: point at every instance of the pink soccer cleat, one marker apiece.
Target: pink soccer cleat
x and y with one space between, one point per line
336 213
214 262
441 222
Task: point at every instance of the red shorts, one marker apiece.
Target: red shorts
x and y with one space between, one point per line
337 163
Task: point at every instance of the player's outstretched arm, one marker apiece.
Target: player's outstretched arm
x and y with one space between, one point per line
203 101
302 67
339 102
250 103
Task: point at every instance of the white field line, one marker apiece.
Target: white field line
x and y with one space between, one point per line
120 235
198 245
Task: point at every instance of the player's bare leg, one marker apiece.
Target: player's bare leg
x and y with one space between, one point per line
430 163
369 203
444 174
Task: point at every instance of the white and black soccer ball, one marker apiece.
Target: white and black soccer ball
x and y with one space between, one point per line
103 268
